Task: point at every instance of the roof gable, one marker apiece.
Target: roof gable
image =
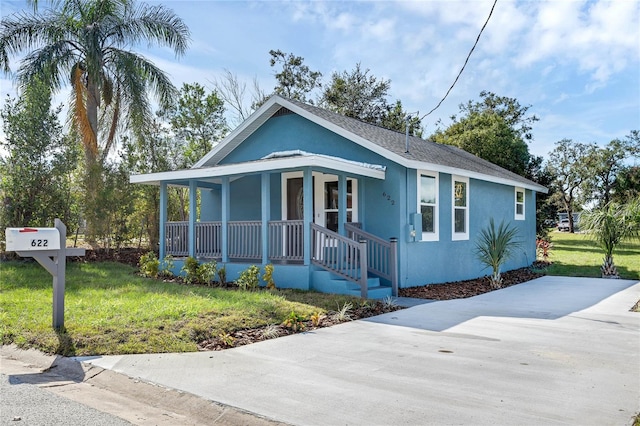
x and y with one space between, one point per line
421 154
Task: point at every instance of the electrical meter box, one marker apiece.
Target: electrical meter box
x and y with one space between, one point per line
32 239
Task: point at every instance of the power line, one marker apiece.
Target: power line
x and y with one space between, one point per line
465 61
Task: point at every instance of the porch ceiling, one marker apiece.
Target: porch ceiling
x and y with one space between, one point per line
276 162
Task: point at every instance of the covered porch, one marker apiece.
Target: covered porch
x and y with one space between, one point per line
297 211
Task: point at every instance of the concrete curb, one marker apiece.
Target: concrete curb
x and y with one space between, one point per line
132 400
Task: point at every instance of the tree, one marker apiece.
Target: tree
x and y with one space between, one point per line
360 95
610 225
152 152
197 120
606 164
87 44
569 163
627 184
495 128
36 182
546 209
232 92
295 80
514 114
357 94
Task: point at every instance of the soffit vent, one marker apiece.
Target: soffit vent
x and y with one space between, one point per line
282 111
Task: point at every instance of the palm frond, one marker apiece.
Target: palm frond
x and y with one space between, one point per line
495 246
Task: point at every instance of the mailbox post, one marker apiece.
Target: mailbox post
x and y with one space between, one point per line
48 247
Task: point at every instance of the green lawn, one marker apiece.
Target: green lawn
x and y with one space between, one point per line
577 256
110 310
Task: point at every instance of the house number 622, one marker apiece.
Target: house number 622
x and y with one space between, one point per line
388 197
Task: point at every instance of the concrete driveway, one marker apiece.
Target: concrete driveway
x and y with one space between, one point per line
552 351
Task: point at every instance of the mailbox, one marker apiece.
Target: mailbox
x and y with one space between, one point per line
32 239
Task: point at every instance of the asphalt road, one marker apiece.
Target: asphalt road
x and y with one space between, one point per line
23 404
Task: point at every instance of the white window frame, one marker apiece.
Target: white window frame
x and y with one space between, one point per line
459 236
435 235
516 203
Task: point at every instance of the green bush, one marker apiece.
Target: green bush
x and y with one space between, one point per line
207 272
267 277
149 265
222 276
197 273
190 270
166 266
249 278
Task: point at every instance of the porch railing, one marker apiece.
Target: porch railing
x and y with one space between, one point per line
177 238
286 240
245 240
382 256
340 255
209 239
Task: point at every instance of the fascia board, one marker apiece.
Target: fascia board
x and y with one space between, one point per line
256 167
421 165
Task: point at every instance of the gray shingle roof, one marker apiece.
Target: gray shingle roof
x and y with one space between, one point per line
419 149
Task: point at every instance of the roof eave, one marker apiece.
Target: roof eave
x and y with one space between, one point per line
253 167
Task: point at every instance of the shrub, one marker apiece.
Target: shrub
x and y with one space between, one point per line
207 272
149 265
166 266
294 321
268 277
495 247
199 273
190 270
316 317
543 248
249 278
344 313
222 276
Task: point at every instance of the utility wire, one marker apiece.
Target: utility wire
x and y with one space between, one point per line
465 61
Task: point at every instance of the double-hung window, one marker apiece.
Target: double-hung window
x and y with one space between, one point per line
428 204
460 208
519 198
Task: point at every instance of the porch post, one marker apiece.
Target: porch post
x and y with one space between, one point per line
342 202
163 220
307 191
193 192
361 202
225 219
265 193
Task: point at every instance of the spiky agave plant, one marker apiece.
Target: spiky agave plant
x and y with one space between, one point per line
608 226
495 246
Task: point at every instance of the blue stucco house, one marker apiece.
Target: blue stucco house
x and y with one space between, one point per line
338 205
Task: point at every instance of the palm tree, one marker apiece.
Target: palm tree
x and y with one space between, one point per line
86 44
609 226
495 247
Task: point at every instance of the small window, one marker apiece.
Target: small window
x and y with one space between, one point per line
460 208
428 204
519 204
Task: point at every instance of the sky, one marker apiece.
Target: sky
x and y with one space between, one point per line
576 63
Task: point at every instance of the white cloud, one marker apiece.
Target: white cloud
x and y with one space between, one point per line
601 38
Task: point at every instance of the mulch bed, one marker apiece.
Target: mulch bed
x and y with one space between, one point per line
470 288
253 335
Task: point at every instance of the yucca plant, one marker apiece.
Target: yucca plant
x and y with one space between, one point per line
495 246
608 226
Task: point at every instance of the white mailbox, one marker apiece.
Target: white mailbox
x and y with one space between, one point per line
30 239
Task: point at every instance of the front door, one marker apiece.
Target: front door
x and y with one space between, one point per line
325 199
